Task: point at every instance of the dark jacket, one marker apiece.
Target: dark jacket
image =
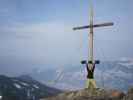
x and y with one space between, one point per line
90 73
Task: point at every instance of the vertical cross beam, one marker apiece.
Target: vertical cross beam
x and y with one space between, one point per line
91 36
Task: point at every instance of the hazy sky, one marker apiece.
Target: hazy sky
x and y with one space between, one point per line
38 33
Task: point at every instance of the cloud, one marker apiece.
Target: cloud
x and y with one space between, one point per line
53 41
54 27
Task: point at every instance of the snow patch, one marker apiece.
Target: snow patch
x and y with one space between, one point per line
25 84
0 97
36 86
17 85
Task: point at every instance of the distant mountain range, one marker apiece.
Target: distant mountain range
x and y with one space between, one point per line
24 88
108 74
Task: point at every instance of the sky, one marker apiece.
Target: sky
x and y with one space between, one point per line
38 33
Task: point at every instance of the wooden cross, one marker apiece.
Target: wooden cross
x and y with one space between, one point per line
91 60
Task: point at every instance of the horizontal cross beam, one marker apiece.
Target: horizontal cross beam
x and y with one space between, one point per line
94 26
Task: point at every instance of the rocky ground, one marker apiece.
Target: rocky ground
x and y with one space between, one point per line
97 94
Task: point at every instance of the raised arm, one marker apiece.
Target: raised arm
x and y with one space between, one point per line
93 67
87 67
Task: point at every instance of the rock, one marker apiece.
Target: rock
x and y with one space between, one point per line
129 95
85 94
115 94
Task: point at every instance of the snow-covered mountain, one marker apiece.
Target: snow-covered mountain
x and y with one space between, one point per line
109 74
23 88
